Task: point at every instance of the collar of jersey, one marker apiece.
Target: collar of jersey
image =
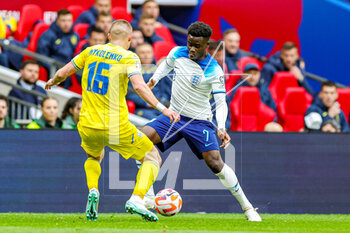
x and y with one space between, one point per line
114 44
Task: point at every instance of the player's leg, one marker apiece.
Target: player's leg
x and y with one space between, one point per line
156 130
145 178
152 134
229 179
201 137
150 195
92 143
93 171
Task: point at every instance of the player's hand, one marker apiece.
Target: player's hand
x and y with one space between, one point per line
174 116
151 83
51 83
297 72
225 138
334 110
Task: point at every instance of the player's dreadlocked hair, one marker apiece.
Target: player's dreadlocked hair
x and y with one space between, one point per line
199 29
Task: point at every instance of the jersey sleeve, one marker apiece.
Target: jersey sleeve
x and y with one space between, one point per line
79 60
170 59
218 83
133 65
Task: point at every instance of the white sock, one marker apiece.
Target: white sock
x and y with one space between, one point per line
136 198
150 192
229 179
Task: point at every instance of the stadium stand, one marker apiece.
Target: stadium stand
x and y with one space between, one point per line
344 101
81 29
282 82
164 33
76 10
121 13
248 113
292 108
30 15
39 29
162 48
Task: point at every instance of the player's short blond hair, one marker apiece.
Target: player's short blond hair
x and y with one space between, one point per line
120 29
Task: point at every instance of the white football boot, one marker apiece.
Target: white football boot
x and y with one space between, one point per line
149 202
252 215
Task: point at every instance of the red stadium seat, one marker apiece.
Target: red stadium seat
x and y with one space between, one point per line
39 29
76 87
280 82
121 13
266 115
76 10
292 108
79 46
165 34
43 75
344 101
81 29
131 106
162 48
246 60
30 14
248 113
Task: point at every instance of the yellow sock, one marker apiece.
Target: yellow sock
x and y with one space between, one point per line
93 172
146 176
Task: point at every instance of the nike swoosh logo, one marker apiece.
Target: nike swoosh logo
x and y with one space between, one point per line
206 145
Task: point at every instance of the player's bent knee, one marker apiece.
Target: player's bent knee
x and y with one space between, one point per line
153 155
214 161
152 134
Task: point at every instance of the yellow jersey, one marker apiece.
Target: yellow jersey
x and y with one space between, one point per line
107 69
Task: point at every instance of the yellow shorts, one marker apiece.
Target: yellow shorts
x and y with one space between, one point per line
134 145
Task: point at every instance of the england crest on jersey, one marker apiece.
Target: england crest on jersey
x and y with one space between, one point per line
196 79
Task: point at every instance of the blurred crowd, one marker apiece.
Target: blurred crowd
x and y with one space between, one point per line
246 77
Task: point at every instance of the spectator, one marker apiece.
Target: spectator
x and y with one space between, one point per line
233 53
96 36
286 60
147 25
90 16
104 21
325 111
59 41
4 61
49 119
145 52
29 76
150 7
5 121
70 113
219 55
136 39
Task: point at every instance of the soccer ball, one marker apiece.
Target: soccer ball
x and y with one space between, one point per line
168 202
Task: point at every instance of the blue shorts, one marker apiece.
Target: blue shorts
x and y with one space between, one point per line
200 135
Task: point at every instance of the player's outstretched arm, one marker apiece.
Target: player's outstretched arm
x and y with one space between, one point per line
147 95
163 69
221 116
61 75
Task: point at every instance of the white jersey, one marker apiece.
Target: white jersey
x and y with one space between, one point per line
193 83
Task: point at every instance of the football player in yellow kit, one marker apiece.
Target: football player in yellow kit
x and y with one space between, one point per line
104 115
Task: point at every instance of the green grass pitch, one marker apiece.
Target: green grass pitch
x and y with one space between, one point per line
182 223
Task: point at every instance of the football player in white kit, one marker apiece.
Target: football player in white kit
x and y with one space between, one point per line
197 76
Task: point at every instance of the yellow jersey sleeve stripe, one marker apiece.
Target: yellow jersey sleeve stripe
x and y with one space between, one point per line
131 74
75 65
